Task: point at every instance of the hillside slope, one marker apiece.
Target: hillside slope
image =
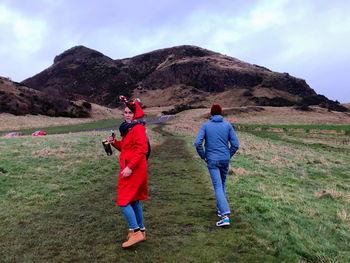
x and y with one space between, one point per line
17 99
83 73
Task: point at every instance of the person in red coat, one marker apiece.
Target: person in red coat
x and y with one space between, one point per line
132 184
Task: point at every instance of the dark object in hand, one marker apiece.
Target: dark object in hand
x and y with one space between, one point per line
107 147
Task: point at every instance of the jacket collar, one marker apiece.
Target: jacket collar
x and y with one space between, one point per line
217 118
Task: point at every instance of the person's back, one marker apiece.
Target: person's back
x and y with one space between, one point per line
218 134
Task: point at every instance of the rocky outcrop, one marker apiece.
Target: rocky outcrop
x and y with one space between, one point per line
18 99
83 73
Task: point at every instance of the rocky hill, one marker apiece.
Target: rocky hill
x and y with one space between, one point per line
18 99
171 76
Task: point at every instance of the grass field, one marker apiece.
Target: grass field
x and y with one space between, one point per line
75 127
18 122
71 128
335 129
295 193
288 192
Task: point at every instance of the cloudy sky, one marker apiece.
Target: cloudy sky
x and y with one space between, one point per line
308 39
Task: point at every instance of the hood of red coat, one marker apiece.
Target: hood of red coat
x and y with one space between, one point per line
139 112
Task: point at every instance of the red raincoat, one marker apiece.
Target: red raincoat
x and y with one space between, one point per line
133 148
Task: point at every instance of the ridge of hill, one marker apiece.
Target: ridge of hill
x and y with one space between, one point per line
17 99
210 71
178 76
171 76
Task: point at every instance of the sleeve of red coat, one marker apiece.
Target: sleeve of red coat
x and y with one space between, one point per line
117 145
140 144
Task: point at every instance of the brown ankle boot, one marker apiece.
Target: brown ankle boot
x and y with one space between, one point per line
134 238
144 234
129 233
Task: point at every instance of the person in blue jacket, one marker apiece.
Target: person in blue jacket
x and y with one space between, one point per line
217 134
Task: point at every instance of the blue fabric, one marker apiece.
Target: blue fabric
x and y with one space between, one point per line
138 213
218 172
133 214
217 133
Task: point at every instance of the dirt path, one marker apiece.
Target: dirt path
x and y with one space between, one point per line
181 212
82 224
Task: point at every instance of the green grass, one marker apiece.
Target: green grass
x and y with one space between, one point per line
306 128
108 123
57 204
295 195
71 128
289 201
338 143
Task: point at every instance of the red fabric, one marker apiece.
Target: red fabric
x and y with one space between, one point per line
216 110
133 149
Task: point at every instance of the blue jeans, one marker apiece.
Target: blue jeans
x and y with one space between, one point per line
133 214
218 172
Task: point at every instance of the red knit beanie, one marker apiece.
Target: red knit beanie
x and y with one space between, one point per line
216 110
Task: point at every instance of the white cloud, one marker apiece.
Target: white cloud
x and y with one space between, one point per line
267 14
279 34
22 34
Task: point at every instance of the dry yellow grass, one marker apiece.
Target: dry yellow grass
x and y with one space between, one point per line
154 137
329 140
271 154
189 122
156 111
180 94
332 193
288 116
48 151
239 171
343 215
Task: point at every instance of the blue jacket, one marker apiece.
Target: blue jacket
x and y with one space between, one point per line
216 133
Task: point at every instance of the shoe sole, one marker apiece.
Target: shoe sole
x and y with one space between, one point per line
223 224
123 246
